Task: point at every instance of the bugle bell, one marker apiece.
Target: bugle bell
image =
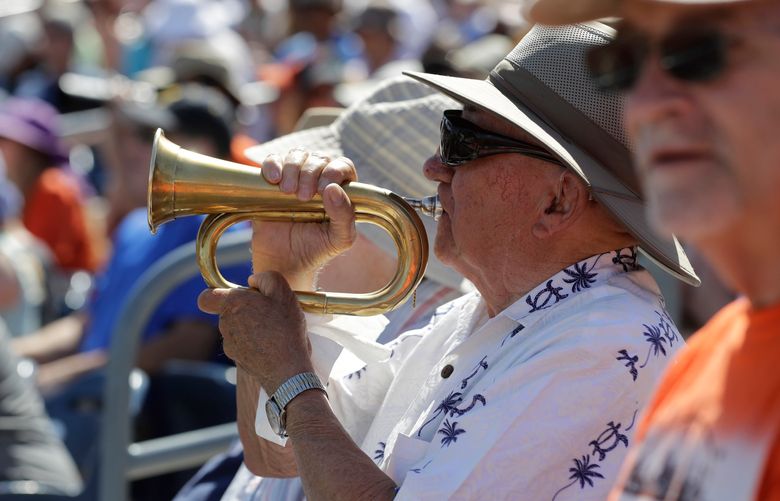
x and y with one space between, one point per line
184 183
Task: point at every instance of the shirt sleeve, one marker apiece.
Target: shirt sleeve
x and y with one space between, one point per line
360 379
357 395
356 370
554 426
329 334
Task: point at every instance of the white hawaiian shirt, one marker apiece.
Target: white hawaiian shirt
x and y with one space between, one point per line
537 403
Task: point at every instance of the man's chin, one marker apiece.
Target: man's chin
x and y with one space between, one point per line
688 225
444 249
692 210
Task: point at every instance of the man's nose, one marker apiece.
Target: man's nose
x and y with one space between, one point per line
655 97
435 170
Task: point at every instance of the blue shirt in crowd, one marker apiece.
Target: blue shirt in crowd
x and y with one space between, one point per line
135 251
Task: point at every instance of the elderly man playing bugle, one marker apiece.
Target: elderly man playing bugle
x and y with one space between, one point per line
527 388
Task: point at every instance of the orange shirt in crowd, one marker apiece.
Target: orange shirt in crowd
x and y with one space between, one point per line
239 145
711 431
54 212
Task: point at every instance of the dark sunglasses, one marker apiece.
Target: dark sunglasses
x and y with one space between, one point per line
463 141
690 56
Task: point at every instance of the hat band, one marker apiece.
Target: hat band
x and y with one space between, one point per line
571 123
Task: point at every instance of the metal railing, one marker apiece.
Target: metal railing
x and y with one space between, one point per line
121 460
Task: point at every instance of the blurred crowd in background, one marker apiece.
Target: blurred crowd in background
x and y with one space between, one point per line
85 83
237 72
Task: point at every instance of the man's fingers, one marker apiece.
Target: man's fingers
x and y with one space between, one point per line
342 217
338 171
309 175
290 170
272 168
212 300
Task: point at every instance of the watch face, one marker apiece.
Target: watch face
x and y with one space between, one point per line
274 415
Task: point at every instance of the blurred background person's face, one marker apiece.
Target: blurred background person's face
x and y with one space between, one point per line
312 19
58 48
707 151
128 179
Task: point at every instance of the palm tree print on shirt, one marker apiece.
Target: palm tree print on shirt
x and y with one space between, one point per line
658 335
450 406
581 277
379 453
656 340
583 472
450 432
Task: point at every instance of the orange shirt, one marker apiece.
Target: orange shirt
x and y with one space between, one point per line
711 431
54 212
238 145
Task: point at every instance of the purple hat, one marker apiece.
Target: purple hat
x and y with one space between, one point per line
33 123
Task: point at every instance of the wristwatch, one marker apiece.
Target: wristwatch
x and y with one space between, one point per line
275 407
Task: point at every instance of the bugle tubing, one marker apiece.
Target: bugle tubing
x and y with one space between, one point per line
184 183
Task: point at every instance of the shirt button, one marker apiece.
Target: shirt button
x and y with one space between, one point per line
447 371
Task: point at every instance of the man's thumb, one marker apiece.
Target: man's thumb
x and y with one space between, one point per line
271 284
342 217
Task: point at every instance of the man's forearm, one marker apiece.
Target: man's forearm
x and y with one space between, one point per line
330 464
263 458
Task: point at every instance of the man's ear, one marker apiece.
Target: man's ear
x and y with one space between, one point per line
563 206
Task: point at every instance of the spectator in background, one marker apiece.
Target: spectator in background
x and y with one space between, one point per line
29 449
198 117
378 29
302 86
171 24
55 55
701 81
79 342
382 26
53 203
317 43
197 62
314 21
19 35
22 266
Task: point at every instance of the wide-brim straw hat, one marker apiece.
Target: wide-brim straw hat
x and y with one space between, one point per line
574 11
388 136
544 88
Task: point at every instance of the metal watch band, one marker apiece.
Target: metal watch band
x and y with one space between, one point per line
295 386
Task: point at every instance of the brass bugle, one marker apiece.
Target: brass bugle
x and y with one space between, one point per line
185 183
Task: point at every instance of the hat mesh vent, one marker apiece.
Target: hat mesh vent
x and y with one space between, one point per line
557 58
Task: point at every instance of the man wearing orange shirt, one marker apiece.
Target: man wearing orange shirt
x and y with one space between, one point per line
702 85
53 207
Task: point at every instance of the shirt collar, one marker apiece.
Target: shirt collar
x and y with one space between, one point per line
574 280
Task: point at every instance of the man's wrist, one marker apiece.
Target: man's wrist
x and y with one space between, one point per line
306 412
273 383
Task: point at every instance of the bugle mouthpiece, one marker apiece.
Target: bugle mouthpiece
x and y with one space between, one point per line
428 206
